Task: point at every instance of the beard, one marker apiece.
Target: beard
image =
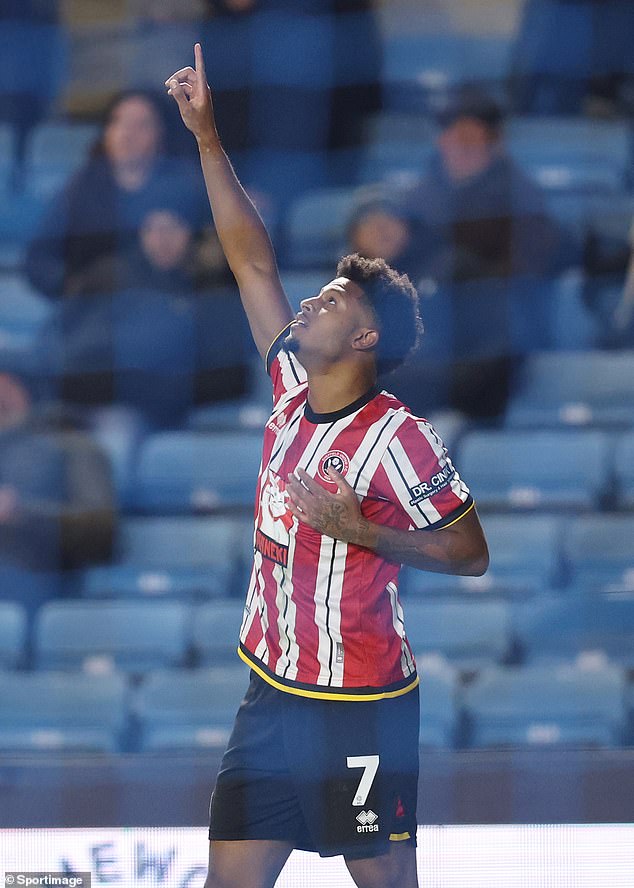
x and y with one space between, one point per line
290 344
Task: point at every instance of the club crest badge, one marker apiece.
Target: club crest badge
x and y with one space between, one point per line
335 459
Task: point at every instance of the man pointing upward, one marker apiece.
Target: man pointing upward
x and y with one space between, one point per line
324 751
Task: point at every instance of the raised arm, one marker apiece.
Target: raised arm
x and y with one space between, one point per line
242 233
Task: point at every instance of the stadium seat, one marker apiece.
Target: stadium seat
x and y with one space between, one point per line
439 690
538 705
158 557
575 388
624 470
559 469
61 712
419 69
215 632
599 551
189 709
55 150
189 471
565 153
23 313
98 636
571 626
316 227
469 634
12 634
525 560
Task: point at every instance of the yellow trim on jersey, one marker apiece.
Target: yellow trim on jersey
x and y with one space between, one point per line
399 837
455 521
325 695
268 351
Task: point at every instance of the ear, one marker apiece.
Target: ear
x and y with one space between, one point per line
365 339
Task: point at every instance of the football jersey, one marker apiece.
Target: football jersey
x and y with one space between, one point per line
322 616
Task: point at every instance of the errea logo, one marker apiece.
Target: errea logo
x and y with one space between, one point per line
367 821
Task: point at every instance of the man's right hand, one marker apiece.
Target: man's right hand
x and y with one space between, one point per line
190 90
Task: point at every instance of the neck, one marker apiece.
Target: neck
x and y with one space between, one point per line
334 388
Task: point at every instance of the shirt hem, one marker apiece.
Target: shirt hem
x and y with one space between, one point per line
343 694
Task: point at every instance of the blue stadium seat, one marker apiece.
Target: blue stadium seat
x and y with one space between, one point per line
61 712
54 151
189 471
189 709
568 627
624 470
566 153
575 388
439 699
316 227
216 630
539 705
559 469
174 556
420 68
12 634
23 313
469 634
599 550
525 560
98 636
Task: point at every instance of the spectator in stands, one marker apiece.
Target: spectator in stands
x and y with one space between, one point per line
57 502
378 228
480 226
99 212
138 327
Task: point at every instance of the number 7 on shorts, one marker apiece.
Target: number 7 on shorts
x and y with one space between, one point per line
370 765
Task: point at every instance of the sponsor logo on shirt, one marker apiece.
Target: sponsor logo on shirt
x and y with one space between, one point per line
334 459
424 489
271 549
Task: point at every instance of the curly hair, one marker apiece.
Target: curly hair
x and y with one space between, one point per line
394 301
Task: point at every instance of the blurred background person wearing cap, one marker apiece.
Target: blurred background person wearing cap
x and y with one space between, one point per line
482 232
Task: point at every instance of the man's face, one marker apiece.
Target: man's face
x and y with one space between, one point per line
165 239
380 234
467 147
332 325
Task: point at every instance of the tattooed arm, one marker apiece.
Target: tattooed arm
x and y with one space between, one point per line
458 549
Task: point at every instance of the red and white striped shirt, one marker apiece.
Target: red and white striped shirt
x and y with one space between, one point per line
323 617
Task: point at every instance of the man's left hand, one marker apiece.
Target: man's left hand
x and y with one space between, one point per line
337 515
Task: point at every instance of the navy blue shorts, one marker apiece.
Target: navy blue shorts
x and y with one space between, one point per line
337 777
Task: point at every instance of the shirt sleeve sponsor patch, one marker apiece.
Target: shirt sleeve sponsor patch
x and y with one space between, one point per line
422 490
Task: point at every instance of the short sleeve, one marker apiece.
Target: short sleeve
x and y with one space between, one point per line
421 478
285 370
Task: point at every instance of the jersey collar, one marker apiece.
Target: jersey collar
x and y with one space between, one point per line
313 417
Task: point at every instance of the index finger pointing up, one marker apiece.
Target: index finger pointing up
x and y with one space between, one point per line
199 63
